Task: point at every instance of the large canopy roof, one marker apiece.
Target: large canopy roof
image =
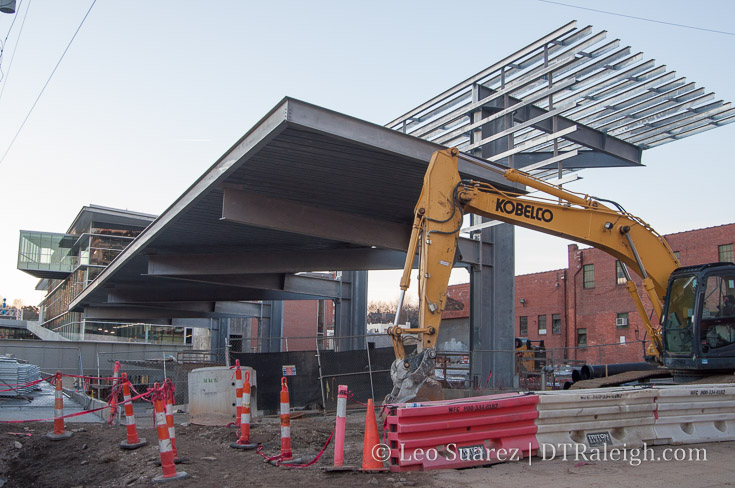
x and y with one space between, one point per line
305 189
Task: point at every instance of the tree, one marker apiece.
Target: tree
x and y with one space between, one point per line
29 312
382 312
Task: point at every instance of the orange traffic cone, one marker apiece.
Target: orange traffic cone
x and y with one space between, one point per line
373 453
244 441
133 441
164 442
58 433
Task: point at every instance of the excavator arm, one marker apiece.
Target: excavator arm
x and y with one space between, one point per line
445 198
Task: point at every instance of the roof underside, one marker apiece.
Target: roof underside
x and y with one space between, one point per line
302 184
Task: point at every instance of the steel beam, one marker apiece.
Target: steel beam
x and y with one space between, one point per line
345 259
583 159
287 215
585 136
306 285
173 310
193 292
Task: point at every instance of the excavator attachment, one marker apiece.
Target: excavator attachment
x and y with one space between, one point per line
414 380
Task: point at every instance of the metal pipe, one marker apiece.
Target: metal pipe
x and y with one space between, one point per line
370 371
626 232
590 371
400 306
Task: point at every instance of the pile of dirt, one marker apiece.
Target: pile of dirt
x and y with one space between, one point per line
92 457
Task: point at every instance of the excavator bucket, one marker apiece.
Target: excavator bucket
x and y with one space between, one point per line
414 379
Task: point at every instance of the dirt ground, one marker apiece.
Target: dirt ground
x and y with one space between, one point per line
92 458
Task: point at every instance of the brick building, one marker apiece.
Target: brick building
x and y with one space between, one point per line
584 312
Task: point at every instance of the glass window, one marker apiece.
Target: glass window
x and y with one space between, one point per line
621 279
556 323
589 276
622 320
725 253
678 255
523 326
678 315
542 324
581 337
718 312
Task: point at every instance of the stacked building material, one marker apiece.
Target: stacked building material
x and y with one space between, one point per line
14 377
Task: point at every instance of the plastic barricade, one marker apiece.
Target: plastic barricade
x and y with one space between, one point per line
612 417
462 433
695 414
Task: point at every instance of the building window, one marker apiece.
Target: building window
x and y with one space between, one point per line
524 326
556 323
581 337
589 276
677 254
542 324
725 252
621 279
621 321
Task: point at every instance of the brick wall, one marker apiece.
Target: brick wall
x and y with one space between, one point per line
594 309
541 295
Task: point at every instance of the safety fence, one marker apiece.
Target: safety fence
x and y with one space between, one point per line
313 375
536 367
145 367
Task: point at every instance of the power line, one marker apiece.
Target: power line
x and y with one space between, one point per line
15 17
47 82
640 18
15 50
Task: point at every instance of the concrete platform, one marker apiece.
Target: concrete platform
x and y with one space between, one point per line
40 406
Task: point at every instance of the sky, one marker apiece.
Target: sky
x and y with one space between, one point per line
150 94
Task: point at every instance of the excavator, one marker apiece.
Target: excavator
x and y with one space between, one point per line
695 305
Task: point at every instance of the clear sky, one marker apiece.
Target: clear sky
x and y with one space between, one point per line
150 94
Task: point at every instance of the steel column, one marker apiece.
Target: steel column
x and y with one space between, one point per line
492 316
270 326
350 321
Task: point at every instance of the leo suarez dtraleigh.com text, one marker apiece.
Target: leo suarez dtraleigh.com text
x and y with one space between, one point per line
548 452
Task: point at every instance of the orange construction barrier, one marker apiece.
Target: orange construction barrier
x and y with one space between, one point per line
339 432
285 422
58 433
115 392
164 442
244 441
133 441
372 450
169 392
238 394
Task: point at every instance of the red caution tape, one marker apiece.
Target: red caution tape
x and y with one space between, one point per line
73 414
25 385
278 459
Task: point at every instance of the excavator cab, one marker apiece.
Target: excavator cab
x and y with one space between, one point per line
698 324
